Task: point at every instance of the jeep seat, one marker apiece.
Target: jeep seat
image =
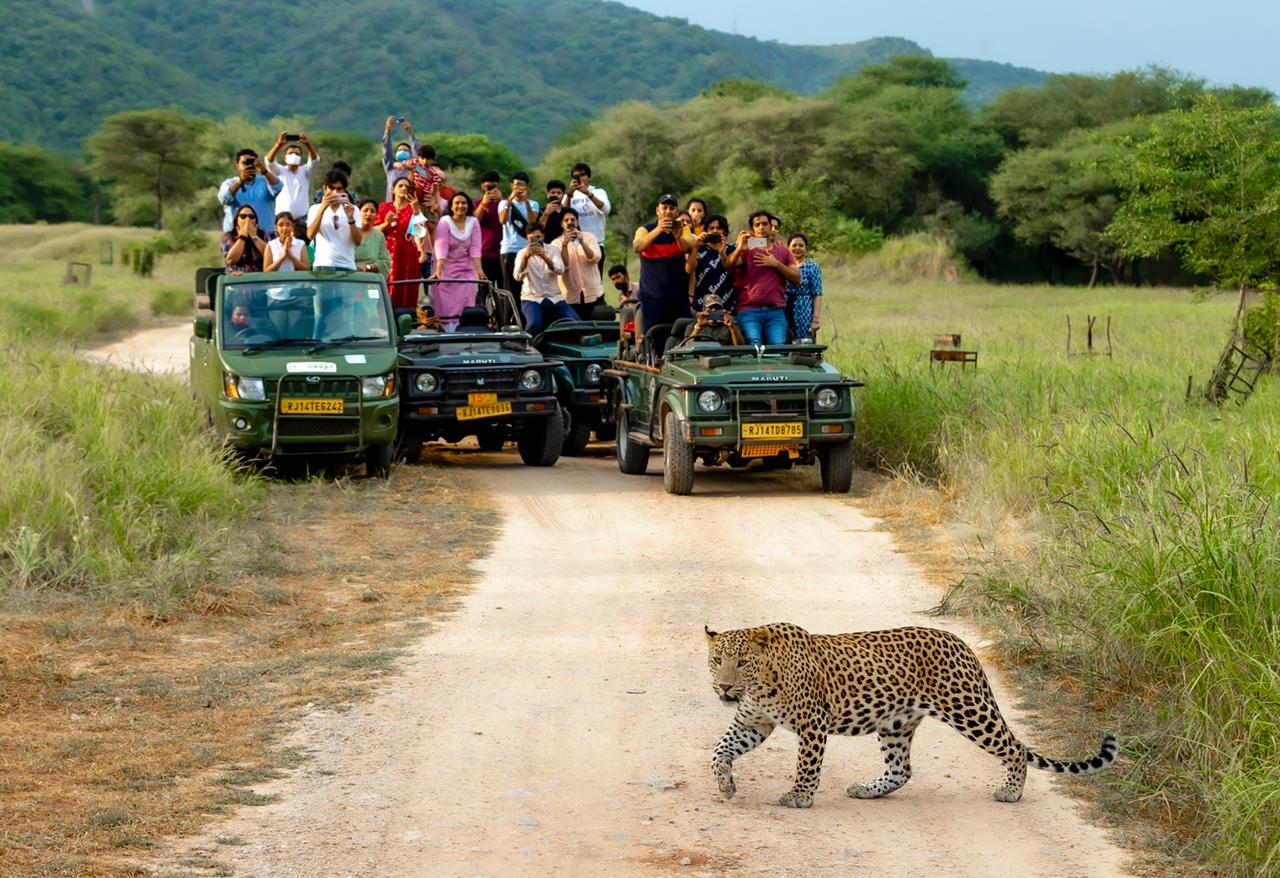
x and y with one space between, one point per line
604 312
473 317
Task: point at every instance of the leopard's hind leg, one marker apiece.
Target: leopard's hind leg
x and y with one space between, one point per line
896 732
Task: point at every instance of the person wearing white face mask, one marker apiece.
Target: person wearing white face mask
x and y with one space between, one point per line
294 174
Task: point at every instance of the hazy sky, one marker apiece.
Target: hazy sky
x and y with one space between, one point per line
1224 41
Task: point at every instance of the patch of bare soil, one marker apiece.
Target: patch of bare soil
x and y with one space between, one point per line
119 727
562 723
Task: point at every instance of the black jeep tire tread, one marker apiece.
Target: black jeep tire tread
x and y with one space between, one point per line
633 459
377 460
577 437
540 440
677 457
491 438
835 463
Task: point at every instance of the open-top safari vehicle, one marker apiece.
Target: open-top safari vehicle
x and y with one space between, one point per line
694 390
485 379
297 364
584 349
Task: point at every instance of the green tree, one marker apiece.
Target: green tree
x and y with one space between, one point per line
149 160
1206 183
35 185
474 152
1065 196
805 204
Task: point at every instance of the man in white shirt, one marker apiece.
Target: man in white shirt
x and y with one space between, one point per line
335 225
591 202
581 253
294 175
539 266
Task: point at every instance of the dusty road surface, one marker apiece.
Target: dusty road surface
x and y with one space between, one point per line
158 349
562 723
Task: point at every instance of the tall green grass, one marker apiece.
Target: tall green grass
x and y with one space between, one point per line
111 488
1155 567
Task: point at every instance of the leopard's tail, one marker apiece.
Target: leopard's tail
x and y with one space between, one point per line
1105 757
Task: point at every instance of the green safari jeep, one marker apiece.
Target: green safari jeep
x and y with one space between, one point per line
701 398
584 349
298 365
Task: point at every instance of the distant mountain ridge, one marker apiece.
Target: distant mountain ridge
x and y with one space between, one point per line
492 66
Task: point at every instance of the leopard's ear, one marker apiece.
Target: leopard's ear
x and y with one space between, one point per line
759 639
711 635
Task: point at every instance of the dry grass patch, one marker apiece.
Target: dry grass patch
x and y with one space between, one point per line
119 727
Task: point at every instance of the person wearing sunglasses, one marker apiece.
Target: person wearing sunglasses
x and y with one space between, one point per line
335 226
244 247
252 186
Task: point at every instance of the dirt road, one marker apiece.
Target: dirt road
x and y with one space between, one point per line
561 723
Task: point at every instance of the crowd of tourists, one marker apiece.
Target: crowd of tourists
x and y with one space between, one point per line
549 251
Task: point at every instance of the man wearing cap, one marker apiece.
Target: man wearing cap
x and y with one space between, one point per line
663 245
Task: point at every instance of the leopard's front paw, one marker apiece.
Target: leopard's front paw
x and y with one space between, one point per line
724 778
797 799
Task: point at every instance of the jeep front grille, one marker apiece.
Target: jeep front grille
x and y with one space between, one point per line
347 389
457 383
766 405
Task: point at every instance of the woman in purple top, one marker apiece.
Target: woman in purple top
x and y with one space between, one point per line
457 257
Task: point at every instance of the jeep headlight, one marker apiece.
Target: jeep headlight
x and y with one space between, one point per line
826 399
530 379
426 382
592 373
240 387
709 401
378 385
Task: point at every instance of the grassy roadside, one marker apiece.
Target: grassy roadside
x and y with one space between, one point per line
1129 541
164 614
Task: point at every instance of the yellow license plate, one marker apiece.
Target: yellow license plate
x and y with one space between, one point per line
475 399
471 412
311 407
777 430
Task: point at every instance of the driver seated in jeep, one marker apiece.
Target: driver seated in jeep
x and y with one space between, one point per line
712 323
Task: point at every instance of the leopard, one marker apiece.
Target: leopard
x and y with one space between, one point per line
886 682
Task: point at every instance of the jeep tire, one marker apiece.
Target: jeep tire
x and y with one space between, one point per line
633 458
677 457
835 463
577 436
540 440
377 460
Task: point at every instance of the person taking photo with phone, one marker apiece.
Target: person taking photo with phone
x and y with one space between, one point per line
767 266
294 175
663 246
403 151
591 202
486 212
538 267
252 186
334 225
518 213
708 273
581 253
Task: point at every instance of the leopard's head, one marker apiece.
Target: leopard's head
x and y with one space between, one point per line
730 661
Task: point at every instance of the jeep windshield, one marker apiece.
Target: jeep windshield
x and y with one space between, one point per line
314 313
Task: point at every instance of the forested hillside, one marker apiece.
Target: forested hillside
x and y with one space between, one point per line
518 73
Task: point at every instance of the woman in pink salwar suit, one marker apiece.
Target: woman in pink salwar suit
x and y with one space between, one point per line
457 256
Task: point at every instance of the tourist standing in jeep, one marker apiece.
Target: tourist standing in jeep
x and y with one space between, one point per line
664 283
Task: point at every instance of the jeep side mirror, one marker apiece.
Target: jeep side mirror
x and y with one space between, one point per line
203 327
404 323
